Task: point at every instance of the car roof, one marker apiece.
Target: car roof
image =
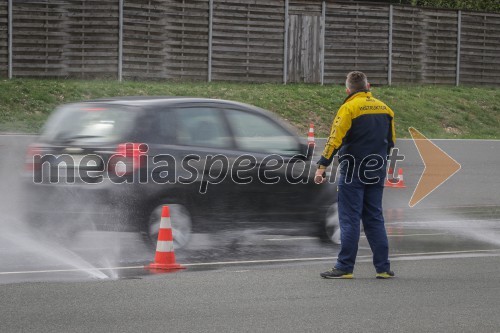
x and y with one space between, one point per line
150 102
147 101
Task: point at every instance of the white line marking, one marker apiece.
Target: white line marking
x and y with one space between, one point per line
333 258
71 270
291 238
416 235
419 255
444 256
362 236
439 221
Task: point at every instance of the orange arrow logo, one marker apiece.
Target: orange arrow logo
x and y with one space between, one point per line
439 167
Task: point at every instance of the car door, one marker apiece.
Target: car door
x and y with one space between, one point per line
203 150
281 186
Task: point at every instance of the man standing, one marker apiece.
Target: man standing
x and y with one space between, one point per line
363 133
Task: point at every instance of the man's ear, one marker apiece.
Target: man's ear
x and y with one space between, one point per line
348 92
369 86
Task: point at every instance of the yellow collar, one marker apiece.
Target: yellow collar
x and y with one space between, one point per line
358 94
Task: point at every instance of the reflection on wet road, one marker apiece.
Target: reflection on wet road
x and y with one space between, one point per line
460 218
457 231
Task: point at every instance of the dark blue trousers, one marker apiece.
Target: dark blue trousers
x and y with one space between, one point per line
361 202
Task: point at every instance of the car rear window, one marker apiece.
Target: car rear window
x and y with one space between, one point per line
89 124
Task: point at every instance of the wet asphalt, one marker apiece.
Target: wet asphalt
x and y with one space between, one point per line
445 251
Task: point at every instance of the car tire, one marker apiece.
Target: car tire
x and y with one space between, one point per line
331 224
181 224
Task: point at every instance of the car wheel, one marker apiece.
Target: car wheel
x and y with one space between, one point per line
181 224
332 226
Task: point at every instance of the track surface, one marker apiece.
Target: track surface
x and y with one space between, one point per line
446 254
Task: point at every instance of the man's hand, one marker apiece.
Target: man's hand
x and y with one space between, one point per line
320 176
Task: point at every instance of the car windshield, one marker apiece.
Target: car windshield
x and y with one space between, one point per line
89 123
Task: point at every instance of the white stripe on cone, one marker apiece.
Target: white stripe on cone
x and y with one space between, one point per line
165 246
310 136
165 223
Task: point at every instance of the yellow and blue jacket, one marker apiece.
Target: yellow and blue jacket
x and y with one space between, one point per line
363 126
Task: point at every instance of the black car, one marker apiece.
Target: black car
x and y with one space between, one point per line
111 164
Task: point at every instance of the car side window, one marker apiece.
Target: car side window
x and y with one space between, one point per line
202 127
256 133
157 126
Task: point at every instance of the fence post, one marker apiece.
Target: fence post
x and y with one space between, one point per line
120 40
389 63
323 28
210 28
285 45
459 41
10 33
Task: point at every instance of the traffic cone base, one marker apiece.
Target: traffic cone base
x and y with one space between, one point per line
165 266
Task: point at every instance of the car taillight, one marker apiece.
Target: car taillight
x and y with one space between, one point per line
128 158
31 164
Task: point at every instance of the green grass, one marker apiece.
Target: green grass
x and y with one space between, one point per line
436 111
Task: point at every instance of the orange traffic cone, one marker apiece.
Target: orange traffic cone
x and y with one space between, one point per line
395 182
310 136
165 256
400 183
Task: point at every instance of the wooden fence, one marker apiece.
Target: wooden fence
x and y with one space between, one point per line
285 41
4 39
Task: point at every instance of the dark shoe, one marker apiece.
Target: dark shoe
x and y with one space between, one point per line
336 274
385 275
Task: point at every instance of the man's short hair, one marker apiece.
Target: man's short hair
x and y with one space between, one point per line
356 81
